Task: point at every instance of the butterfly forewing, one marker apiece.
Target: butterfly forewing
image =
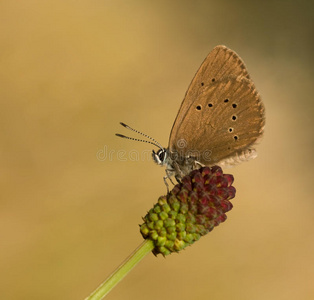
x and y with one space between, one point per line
225 120
220 63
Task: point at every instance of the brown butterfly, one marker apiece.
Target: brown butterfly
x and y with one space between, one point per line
220 120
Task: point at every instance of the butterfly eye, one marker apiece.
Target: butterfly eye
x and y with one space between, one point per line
230 129
198 107
210 105
236 137
234 118
213 79
234 105
226 100
202 84
161 154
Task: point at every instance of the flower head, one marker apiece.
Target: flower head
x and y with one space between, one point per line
192 209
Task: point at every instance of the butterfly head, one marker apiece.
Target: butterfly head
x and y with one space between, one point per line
160 157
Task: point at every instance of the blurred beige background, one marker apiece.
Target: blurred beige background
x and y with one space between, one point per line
70 71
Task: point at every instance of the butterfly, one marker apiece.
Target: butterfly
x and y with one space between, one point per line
219 122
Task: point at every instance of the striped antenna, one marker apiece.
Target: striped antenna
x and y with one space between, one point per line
153 142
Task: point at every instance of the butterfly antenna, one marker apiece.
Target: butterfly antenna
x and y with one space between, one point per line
154 142
137 140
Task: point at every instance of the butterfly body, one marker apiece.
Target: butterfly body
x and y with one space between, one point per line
176 165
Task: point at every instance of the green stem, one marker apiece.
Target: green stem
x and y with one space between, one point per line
139 253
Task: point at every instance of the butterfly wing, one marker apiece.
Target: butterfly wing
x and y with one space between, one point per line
221 62
221 123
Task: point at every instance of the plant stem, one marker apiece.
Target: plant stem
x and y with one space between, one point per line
139 253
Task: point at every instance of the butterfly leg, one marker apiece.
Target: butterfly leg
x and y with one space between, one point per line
166 183
178 172
178 178
198 164
169 173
